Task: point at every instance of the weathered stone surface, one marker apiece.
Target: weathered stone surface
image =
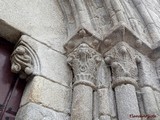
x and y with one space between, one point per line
103 76
52 95
147 73
22 61
121 58
158 68
42 20
140 102
149 17
104 106
95 106
52 64
157 97
79 14
149 100
33 111
82 103
84 61
105 118
112 103
124 29
127 103
57 69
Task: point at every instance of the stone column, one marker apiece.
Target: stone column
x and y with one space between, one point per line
148 88
124 75
104 108
84 61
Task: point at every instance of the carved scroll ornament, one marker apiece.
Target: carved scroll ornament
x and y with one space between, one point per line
21 62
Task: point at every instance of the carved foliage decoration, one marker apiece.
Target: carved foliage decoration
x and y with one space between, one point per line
22 62
122 61
84 61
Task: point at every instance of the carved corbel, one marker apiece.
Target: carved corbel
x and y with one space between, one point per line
21 60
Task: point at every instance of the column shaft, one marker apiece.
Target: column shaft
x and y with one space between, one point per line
82 103
127 103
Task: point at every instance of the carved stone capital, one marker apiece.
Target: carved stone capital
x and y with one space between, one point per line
22 61
122 61
84 61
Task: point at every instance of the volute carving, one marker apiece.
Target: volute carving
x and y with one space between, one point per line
84 61
22 62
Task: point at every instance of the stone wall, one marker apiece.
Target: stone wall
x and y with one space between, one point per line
85 59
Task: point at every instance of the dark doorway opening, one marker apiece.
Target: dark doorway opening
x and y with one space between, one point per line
11 87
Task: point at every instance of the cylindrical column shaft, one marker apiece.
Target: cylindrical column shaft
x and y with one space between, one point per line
127 103
150 103
82 103
104 109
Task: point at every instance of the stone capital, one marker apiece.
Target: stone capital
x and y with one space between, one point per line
84 61
123 64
